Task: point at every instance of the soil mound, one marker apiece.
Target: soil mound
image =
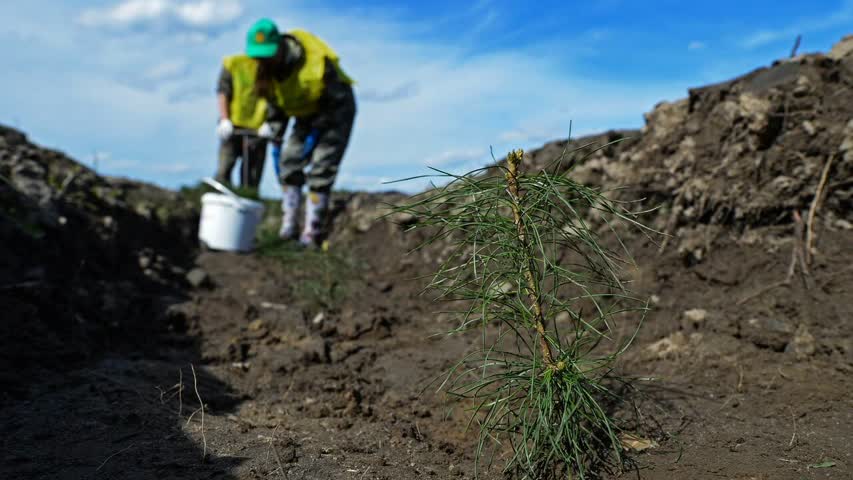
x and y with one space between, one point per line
81 257
741 153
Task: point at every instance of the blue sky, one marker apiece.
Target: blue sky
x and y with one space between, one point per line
130 83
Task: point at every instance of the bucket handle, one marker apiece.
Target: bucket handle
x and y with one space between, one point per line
220 187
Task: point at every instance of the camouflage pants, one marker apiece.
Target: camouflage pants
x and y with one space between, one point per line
251 168
319 141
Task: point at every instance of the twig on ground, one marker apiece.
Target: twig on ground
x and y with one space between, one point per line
21 285
764 290
113 455
797 258
181 392
818 198
800 246
271 443
794 435
274 306
175 390
740 378
201 402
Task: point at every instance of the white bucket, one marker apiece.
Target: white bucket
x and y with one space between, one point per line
228 222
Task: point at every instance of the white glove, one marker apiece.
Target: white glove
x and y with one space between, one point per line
266 131
224 129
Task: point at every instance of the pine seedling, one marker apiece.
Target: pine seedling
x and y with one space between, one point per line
523 255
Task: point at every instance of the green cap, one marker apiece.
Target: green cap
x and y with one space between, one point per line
262 40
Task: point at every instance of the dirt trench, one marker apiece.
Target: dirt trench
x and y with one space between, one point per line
733 382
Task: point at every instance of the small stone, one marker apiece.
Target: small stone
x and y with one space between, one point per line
318 319
803 345
654 299
843 224
198 277
563 317
695 317
144 262
314 350
405 219
669 347
803 87
363 223
809 127
770 325
767 332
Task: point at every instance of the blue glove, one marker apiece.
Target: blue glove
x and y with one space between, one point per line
310 142
276 159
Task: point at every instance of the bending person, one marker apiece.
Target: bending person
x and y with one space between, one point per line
241 113
299 76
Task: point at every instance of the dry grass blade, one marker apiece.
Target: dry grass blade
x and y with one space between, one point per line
113 455
275 452
818 198
201 408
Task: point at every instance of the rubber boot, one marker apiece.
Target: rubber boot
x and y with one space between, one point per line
291 197
315 215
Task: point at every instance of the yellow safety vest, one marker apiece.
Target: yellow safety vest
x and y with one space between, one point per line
247 109
299 93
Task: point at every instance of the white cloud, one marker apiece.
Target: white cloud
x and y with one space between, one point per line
399 92
368 182
840 17
764 37
125 13
208 12
167 69
454 157
532 134
173 169
695 45
195 13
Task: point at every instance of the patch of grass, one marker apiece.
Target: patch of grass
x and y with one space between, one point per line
247 192
531 271
320 279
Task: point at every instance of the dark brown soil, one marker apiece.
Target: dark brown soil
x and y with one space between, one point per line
739 374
